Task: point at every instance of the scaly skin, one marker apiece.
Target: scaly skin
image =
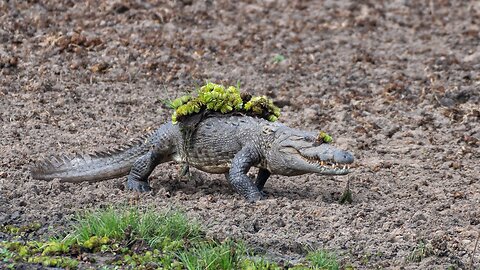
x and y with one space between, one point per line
225 144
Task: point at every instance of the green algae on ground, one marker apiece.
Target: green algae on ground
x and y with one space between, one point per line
218 98
150 240
151 259
49 254
48 261
96 242
55 248
11 229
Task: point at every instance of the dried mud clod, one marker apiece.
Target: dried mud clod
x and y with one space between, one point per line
100 67
8 61
76 40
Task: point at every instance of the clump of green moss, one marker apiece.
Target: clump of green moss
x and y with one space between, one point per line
55 248
263 107
150 259
323 137
11 229
96 242
47 261
174 104
218 98
46 253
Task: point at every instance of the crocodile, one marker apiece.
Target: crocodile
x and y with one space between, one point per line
221 144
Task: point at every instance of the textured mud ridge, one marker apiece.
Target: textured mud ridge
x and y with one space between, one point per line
397 84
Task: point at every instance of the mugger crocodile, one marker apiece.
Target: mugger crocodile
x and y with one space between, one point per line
222 144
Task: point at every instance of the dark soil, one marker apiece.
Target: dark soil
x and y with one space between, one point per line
395 83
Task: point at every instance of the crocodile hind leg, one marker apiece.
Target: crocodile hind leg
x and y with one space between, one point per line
241 182
142 168
161 149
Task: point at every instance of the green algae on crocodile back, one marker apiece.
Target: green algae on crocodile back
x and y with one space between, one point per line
264 107
218 98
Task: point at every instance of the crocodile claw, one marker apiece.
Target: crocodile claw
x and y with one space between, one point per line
140 186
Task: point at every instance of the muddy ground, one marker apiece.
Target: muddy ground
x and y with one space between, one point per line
395 82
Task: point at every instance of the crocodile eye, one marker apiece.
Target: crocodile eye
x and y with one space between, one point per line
309 139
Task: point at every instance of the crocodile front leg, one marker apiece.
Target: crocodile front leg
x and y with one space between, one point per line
262 178
241 164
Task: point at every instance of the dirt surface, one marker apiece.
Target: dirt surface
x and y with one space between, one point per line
396 83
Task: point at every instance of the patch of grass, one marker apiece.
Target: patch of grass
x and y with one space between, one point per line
6 254
346 197
168 230
138 239
421 251
278 58
259 264
211 255
134 238
158 237
324 260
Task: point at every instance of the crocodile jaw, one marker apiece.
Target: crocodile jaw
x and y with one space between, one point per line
298 152
326 159
327 167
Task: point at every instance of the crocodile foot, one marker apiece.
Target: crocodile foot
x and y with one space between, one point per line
264 193
140 186
254 197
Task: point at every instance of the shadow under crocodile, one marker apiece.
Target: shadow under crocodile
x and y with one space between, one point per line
202 184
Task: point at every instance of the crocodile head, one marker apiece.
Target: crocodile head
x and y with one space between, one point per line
296 152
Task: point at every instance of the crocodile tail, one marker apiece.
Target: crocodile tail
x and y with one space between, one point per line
91 167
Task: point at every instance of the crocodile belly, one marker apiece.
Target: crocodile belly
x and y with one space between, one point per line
218 167
211 164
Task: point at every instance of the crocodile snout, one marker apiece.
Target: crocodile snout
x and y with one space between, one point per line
343 157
